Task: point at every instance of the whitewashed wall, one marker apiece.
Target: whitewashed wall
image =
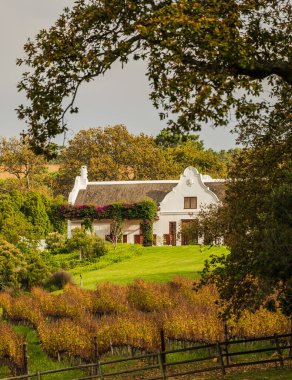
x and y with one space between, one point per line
172 206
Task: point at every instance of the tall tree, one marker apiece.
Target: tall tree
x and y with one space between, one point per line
17 158
112 153
199 54
257 215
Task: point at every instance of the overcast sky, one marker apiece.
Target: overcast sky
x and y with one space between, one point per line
120 97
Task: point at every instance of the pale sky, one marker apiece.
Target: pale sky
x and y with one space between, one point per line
120 97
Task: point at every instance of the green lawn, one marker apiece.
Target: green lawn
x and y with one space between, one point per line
152 264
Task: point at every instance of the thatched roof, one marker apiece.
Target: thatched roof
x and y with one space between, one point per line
105 194
218 188
127 193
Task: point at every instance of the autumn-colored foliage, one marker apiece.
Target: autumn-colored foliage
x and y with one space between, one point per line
11 349
131 316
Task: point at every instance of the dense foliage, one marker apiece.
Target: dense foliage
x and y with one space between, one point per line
89 246
256 216
28 215
21 269
204 58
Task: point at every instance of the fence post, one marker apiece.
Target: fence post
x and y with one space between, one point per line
163 346
97 368
226 335
25 361
96 355
39 375
279 351
221 358
161 365
290 339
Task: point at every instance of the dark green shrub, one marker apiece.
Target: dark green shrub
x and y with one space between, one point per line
59 279
89 245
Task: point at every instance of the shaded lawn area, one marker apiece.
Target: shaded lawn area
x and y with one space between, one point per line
154 264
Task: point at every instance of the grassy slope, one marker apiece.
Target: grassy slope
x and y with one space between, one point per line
154 264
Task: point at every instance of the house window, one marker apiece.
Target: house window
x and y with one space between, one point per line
190 202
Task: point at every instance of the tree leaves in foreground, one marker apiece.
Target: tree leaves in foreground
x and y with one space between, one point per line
204 58
257 219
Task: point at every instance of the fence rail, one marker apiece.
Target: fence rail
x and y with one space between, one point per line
222 353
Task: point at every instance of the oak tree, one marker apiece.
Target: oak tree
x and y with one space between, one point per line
205 58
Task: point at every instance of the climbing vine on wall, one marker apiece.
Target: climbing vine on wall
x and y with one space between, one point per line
145 210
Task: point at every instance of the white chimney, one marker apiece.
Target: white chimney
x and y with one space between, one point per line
84 173
81 182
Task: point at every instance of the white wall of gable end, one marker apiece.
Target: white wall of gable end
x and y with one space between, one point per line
172 207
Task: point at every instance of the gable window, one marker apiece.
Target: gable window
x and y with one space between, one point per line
190 202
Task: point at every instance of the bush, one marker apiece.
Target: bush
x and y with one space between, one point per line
89 246
37 271
56 243
59 279
12 266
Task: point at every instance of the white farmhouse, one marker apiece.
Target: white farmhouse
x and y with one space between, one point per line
179 202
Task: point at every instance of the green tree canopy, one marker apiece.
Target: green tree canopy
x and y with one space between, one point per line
189 154
89 246
204 58
257 216
168 138
12 266
112 153
28 216
20 269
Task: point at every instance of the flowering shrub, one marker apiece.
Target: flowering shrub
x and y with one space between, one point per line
143 210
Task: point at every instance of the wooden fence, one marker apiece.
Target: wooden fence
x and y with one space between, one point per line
163 365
